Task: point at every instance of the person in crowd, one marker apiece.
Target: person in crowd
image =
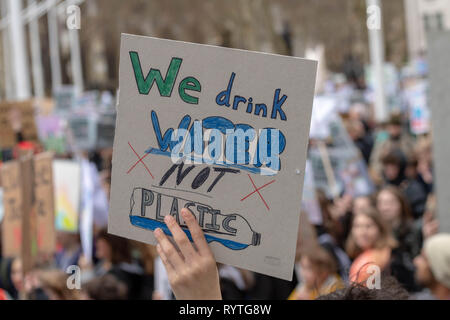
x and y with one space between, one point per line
145 255
396 139
54 285
361 138
429 224
115 258
370 243
70 250
393 167
11 278
433 268
423 153
361 204
234 282
395 211
319 275
390 289
414 191
330 232
106 287
336 216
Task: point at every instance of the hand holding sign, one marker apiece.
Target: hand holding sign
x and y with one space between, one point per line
192 271
221 132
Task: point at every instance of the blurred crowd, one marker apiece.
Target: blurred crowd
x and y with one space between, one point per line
391 232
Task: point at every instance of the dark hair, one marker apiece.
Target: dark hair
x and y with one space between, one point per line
395 157
390 289
106 287
120 247
395 119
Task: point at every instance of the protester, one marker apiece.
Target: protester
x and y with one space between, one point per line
319 275
11 280
433 268
389 289
396 212
393 167
115 258
70 251
396 140
106 287
361 204
55 285
369 244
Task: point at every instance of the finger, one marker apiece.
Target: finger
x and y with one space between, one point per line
169 268
180 238
169 250
196 232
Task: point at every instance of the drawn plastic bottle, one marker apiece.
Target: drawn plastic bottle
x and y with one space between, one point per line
148 208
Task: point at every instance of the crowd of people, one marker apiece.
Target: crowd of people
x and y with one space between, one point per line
384 245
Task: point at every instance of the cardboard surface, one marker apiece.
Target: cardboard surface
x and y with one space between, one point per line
249 212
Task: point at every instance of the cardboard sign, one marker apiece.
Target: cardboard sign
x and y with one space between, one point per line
45 207
28 226
84 131
23 116
29 252
12 202
29 128
183 112
439 46
67 187
7 134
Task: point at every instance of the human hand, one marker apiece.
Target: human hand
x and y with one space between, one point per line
192 271
430 225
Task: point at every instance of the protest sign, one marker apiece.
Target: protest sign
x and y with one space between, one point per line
17 117
52 129
12 202
84 131
419 114
247 202
7 134
19 232
28 120
439 98
29 251
106 126
67 185
64 99
45 204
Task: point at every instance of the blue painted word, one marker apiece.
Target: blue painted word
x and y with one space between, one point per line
217 140
223 99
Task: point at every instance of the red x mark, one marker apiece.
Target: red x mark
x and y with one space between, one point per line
140 160
257 190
